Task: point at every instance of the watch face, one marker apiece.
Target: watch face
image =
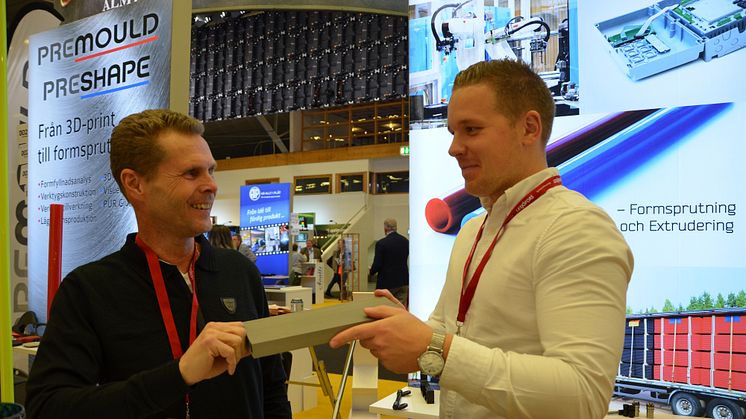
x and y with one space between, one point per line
431 363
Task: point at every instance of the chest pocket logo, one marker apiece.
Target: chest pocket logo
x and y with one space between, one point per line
229 303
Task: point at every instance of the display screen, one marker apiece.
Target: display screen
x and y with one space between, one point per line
655 143
270 245
265 214
267 240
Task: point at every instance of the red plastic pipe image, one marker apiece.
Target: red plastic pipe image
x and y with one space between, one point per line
444 215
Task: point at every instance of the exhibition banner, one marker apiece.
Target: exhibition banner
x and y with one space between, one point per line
84 78
72 11
265 204
32 21
265 214
649 134
667 181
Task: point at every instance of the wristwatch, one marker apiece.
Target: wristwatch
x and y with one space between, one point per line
431 361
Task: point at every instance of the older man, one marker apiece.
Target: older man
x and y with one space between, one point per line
153 330
310 251
390 262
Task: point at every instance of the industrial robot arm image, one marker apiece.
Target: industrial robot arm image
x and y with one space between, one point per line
462 33
448 42
518 26
518 29
465 32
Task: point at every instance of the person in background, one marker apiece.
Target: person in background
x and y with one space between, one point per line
341 267
296 265
155 330
310 251
242 248
390 262
220 237
530 321
317 248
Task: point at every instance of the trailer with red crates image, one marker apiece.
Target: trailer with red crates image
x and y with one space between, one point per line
694 360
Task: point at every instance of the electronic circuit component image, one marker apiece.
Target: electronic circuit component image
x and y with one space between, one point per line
671 33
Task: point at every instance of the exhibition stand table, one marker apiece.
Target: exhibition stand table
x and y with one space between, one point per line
276 279
283 295
657 414
23 355
313 277
26 349
417 407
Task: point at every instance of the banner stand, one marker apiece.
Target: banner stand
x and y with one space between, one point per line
6 349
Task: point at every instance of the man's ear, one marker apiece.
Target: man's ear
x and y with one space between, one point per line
132 183
532 128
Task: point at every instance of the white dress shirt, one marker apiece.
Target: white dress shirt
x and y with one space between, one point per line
544 333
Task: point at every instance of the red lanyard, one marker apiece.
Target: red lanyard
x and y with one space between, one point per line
467 291
163 302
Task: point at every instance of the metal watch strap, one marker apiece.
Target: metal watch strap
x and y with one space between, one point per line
436 343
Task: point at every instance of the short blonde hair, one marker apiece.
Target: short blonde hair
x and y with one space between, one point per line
518 89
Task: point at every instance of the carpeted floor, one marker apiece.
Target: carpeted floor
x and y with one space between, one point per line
324 408
334 360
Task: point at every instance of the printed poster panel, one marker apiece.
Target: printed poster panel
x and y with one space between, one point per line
84 78
265 214
668 177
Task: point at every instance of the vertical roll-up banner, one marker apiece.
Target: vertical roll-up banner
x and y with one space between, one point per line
23 19
30 19
6 360
84 78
